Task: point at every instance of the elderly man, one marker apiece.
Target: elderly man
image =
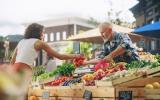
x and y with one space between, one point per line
117 46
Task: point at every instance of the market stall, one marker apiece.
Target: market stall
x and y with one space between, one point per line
103 81
106 81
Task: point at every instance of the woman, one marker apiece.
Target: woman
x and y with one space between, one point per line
27 51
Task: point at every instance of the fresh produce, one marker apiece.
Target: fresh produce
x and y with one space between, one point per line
58 81
137 64
158 58
44 76
155 64
156 85
73 81
88 79
101 65
99 74
37 71
65 69
33 98
78 61
149 86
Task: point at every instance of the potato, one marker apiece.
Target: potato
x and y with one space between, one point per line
149 86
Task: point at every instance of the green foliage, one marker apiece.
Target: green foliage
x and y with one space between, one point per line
85 49
37 71
65 69
158 58
137 64
1 38
141 64
93 21
69 49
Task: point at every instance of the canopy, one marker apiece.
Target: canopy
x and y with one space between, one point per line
95 37
151 30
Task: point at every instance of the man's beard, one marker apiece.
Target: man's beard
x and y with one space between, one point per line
105 40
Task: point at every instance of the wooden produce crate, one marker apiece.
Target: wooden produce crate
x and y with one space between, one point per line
151 76
152 94
67 93
98 93
154 72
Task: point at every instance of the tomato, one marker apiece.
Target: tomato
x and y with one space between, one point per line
78 61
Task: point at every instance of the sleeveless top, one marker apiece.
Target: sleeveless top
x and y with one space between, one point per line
26 52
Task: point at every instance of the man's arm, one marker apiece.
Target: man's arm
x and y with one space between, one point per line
92 61
118 51
121 49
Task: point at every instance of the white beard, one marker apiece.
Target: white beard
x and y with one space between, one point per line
105 40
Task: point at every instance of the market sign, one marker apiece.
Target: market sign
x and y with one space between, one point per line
125 95
45 95
87 95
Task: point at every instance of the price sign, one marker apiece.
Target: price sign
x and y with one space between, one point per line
125 95
45 95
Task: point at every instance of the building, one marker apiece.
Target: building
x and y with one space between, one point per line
58 30
146 12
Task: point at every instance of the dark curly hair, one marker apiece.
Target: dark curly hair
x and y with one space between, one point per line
34 30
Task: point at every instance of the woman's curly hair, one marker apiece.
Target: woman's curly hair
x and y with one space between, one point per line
34 30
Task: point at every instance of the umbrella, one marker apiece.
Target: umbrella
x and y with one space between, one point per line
95 37
151 30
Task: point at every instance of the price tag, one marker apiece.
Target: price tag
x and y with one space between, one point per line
87 95
45 95
125 95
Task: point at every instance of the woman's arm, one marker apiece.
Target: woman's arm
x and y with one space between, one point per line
13 59
92 61
40 45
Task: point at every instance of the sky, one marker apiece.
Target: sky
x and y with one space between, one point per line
16 12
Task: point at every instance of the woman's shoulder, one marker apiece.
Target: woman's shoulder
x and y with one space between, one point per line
38 44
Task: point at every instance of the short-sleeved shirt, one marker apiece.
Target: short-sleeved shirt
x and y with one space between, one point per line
123 40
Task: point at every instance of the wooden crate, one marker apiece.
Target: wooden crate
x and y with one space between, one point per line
153 71
137 93
47 80
66 91
126 79
98 93
73 98
152 94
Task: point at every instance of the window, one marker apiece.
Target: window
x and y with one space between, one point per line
149 3
158 18
157 9
64 35
46 37
150 13
153 45
58 36
51 36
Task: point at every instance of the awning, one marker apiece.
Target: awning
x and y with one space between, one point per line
94 35
150 30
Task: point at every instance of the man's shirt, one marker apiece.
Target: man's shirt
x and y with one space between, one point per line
123 40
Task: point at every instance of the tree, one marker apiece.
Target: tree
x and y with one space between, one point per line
85 48
93 21
69 49
1 38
